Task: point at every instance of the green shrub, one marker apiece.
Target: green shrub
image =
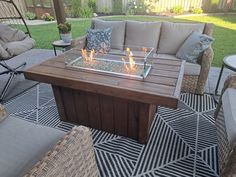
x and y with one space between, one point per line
47 17
92 4
134 7
75 8
177 10
105 10
117 6
30 15
210 5
85 12
196 10
64 28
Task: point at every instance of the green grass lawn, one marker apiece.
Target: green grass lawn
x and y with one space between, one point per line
224 32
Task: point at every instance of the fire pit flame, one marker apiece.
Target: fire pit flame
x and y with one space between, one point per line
131 66
88 57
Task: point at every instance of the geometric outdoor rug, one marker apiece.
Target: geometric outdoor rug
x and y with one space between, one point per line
182 142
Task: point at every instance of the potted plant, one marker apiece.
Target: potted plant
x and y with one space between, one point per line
65 32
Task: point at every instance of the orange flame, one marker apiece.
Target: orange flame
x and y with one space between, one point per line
88 56
144 50
131 66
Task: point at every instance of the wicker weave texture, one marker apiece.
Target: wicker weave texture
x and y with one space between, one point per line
72 156
189 83
225 150
223 143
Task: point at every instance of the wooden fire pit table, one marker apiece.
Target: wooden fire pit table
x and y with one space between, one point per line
123 106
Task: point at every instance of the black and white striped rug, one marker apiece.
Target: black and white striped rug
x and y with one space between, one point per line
182 142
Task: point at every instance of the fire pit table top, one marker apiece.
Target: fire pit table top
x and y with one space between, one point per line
162 85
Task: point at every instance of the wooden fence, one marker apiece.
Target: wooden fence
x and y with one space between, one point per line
166 5
107 6
5 11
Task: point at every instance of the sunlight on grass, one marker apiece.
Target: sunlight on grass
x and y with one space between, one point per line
221 21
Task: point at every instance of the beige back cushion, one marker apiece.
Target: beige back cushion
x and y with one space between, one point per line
173 35
118 31
143 34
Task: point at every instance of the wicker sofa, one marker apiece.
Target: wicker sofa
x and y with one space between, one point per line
165 38
32 150
225 116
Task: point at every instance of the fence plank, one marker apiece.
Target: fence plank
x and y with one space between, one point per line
5 12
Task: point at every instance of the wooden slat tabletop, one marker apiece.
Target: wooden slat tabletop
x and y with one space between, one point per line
163 83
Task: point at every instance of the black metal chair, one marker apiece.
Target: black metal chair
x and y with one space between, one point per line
11 15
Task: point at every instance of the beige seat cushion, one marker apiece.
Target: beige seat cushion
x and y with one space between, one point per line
173 35
17 47
229 105
189 68
23 144
118 31
144 34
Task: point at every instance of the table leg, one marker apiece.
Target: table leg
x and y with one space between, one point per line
218 82
55 51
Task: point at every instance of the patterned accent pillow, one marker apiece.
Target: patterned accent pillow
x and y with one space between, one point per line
194 46
98 39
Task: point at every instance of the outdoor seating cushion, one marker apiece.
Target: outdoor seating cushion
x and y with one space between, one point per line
143 34
23 144
189 68
229 105
118 31
173 35
18 47
13 42
194 46
8 34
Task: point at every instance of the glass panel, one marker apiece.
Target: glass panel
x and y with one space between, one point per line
125 64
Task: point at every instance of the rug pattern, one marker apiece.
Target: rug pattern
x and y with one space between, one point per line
182 142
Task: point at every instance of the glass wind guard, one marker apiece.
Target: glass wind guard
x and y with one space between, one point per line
129 64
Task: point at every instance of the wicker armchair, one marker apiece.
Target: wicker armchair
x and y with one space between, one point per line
226 154
72 156
191 83
196 83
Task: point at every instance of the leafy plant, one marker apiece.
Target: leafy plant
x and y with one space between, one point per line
92 4
137 7
105 10
177 10
196 10
74 9
47 17
85 12
30 15
211 5
64 28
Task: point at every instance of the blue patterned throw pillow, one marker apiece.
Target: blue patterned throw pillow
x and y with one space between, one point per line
98 39
194 46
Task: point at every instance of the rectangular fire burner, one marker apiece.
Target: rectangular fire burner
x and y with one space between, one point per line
129 64
113 67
